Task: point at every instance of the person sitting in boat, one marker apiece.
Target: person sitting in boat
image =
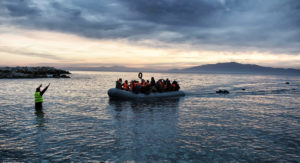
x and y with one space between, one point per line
160 85
153 85
153 82
165 86
168 85
125 86
175 86
131 86
143 86
147 87
136 87
119 84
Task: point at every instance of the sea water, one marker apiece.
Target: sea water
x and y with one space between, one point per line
258 121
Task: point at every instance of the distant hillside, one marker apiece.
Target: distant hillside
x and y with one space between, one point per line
230 67
233 67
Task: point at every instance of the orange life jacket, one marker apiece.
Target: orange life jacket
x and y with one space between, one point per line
136 84
131 86
125 86
173 86
160 83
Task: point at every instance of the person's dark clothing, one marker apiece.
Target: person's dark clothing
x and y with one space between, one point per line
118 85
176 86
152 82
38 105
169 87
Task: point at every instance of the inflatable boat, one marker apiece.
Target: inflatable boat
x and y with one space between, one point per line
115 93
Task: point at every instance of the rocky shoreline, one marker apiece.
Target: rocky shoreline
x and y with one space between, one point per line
32 72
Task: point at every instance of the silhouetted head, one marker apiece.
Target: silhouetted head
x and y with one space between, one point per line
38 90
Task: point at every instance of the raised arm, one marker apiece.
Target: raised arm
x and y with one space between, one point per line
39 87
45 89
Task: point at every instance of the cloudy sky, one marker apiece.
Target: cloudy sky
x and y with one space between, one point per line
149 33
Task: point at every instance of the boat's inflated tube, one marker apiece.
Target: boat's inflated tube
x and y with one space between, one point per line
115 93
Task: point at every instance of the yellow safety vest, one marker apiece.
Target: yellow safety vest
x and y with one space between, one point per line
38 97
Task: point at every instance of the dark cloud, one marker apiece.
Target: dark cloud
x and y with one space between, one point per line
233 25
177 13
66 12
17 8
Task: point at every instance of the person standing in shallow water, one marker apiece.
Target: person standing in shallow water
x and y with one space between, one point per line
38 96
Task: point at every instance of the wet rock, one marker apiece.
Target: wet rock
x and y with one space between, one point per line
287 82
64 76
222 91
32 72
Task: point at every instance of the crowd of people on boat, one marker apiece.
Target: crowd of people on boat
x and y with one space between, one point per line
147 87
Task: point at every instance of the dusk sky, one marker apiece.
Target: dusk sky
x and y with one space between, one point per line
159 34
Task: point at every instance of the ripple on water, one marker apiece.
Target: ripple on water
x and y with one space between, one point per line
79 122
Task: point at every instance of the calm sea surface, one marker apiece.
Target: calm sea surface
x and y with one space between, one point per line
80 123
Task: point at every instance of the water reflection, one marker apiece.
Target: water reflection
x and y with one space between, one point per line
41 133
145 129
40 120
141 105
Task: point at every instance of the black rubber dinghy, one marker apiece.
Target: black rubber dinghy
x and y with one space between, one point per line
115 93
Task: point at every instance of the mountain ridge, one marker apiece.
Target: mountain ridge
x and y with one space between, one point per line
234 67
224 67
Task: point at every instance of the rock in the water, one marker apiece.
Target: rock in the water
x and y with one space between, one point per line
222 91
287 82
32 72
64 76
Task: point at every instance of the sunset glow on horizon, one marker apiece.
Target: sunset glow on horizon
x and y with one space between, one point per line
30 37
